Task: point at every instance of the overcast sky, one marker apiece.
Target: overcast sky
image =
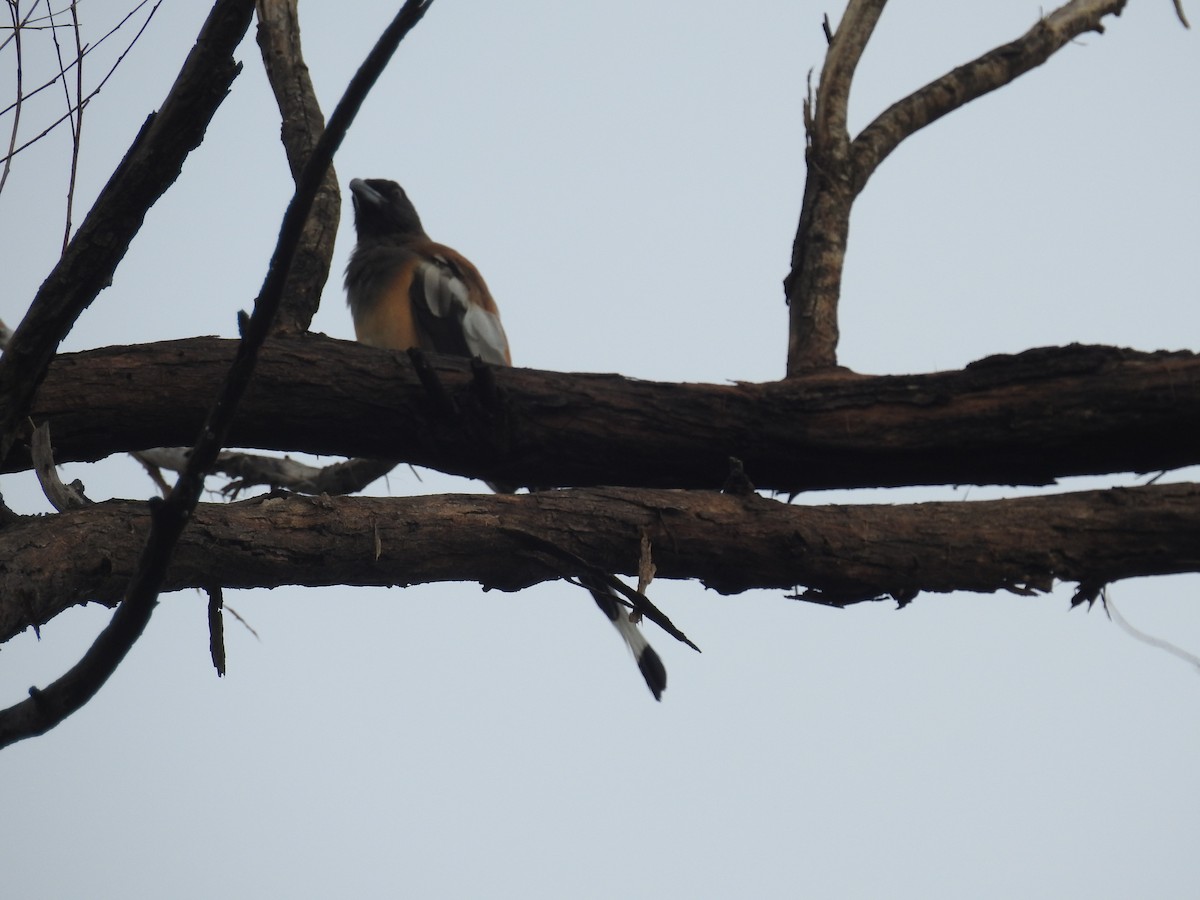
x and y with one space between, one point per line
627 176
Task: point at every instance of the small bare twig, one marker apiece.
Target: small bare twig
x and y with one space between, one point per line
92 47
1179 12
61 496
17 24
77 119
77 130
251 470
70 113
1119 620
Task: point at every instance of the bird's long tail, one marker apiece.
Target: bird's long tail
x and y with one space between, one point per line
647 659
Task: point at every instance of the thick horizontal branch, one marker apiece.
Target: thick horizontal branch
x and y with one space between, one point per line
1024 419
843 553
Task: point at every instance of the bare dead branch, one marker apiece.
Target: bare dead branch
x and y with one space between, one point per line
814 284
839 168
77 130
61 496
168 518
74 109
1139 635
344 477
303 123
1023 419
968 82
839 553
148 169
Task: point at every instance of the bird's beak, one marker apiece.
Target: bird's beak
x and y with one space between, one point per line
365 193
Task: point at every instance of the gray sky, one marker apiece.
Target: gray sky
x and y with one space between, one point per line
628 176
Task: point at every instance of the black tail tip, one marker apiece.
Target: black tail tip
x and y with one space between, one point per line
654 672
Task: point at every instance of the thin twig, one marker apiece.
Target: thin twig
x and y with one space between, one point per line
251 470
61 496
151 166
96 90
47 708
1179 12
77 120
91 48
77 131
14 16
1119 620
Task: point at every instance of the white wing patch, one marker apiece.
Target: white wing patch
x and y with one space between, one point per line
448 297
485 335
445 292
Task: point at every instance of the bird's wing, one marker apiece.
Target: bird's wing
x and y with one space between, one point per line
454 308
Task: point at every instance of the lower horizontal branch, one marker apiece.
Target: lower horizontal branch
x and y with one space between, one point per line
731 544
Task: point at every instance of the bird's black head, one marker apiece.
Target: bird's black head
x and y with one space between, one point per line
381 208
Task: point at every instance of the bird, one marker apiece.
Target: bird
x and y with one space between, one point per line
406 291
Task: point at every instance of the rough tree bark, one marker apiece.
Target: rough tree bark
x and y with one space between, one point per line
1023 419
840 554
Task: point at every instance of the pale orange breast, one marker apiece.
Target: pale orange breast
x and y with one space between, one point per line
387 321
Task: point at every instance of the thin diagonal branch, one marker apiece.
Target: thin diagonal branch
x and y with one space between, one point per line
968 82
17 25
47 708
148 169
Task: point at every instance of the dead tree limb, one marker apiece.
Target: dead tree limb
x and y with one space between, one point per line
838 167
1023 419
840 554
303 125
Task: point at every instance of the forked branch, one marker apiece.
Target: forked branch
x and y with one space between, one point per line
839 168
